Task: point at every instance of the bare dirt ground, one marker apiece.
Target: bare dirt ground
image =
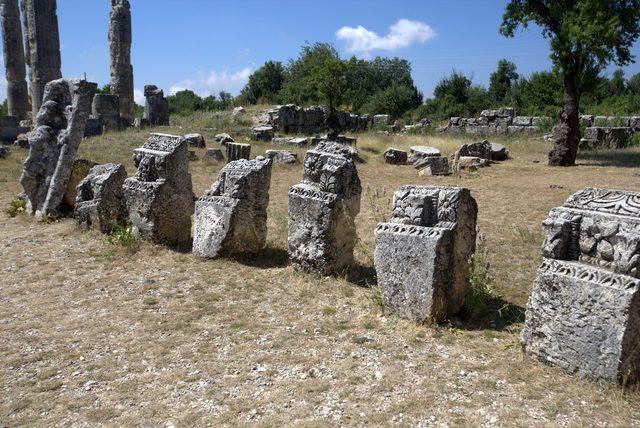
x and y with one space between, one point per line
93 334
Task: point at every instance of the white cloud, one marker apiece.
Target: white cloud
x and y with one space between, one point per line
401 34
138 96
213 82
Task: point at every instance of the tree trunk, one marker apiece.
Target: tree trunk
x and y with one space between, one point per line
566 134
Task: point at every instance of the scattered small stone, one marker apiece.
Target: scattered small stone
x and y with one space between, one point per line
556 186
238 111
195 140
224 139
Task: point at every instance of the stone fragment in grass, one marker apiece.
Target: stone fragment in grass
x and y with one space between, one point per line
395 156
281 156
195 140
100 200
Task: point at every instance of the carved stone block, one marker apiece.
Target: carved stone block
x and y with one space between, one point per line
422 255
231 218
236 151
159 197
322 210
100 200
584 312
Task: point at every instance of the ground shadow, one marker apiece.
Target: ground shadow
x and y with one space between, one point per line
624 159
267 258
362 276
497 314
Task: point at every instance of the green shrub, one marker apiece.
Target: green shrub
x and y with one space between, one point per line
480 293
15 207
49 218
125 237
634 141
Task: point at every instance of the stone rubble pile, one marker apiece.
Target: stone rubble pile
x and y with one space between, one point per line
422 255
291 119
584 311
502 121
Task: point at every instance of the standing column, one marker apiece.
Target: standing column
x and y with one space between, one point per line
43 46
120 48
17 92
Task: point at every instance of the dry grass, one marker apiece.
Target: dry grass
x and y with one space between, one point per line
92 334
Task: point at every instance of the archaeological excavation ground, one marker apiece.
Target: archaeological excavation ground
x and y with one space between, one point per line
316 241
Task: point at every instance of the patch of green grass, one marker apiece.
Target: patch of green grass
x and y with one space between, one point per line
375 295
480 292
125 237
15 207
49 218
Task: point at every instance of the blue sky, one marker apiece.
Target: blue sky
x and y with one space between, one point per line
212 45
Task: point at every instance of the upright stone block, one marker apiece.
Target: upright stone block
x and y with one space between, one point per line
106 109
120 52
236 151
160 199
422 256
584 311
231 218
322 211
100 201
58 131
156 107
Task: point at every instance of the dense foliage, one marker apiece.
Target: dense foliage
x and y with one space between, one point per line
186 102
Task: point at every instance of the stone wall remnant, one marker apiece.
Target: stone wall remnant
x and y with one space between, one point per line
231 218
42 42
15 68
100 203
156 107
105 109
54 142
584 311
236 151
120 52
160 199
322 210
601 137
422 255
292 119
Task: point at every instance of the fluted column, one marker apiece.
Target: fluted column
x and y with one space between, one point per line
120 49
17 92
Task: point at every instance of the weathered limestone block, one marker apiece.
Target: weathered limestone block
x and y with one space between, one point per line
395 156
236 151
100 200
238 111
322 211
195 140
9 128
262 133
79 170
381 120
15 69
281 156
156 107
54 142
231 218
106 109
422 255
213 155
120 52
481 149
159 197
418 153
295 141
522 121
433 165
223 139
499 152
584 311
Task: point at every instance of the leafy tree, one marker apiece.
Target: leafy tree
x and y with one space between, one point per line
264 83
502 80
585 36
184 102
633 84
456 86
4 108
395 101
617 84
539 95
329 79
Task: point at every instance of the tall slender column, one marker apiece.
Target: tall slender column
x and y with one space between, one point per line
17 92
120 48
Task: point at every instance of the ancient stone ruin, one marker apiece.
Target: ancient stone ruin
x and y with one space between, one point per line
236 151
160 199
292 119
54 142
608 132
156 108
105 110
231 218
120 50
100 201
502 121
15 69
42 41
281 156
395 156
322 211
422 255
584 311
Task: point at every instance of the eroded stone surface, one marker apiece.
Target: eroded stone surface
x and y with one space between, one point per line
156 108
433 165
584 311
281 156
120 52
395 156
195 140
231 218
236 151
54 142
100 200
159 197
422 255
15 69
322 210
213 155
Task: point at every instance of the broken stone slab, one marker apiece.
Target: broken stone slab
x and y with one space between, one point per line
231 218
433 165
472 162
80 170
499 152
422 255
236 151
294 141
223 139
395 156
213 155
58 132
418 153
22 141
195 140
100 203
160 199
238 111
584 311
322 211
481 149
262 133
281 156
